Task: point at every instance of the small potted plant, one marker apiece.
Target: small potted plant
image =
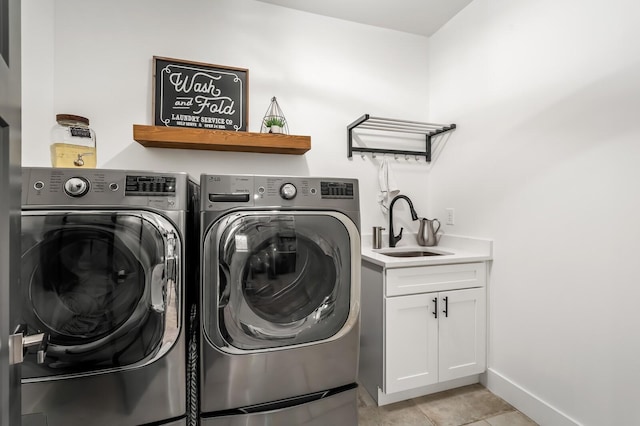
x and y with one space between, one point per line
274 124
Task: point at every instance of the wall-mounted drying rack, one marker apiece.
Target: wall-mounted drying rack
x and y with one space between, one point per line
400 126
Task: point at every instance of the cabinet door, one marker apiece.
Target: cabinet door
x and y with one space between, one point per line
462 330
411 342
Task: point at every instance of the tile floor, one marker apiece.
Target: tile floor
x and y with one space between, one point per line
470 405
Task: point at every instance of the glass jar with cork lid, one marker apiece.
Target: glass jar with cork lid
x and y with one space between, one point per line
73 142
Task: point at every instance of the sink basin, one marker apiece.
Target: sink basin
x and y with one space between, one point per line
412 253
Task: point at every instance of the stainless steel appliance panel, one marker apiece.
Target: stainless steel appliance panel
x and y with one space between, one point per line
115 188
232 381
339 409
234 373
135 211
125 398
223 193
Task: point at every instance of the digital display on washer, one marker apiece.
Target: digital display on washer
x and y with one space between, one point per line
336 189
150 185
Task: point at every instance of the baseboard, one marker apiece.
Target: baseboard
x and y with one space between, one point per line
384 399
538 410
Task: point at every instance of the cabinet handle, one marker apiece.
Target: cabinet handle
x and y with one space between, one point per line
435 312
446 306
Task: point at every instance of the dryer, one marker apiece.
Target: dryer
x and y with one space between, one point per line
103 279
280 300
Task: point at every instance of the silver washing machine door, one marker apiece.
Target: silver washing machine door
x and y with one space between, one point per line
102 286
276 279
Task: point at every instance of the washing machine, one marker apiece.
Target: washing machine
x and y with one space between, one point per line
280 300
104 277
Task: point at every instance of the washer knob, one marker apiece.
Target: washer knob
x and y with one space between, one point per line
76 186
288 191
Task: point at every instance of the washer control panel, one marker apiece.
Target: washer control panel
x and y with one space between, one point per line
65 186
224 192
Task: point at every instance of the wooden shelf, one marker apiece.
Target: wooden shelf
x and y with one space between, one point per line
219 140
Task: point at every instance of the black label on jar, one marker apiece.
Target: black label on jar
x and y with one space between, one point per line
80 132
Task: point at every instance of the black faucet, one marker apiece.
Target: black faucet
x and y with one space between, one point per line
392 238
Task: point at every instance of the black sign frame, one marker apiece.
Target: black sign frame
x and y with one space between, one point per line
200 96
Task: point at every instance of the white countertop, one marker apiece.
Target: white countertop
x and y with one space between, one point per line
453 249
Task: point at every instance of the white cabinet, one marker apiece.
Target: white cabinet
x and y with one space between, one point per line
434 337
421 327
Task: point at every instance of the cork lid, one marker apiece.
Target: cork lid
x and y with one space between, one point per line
71 117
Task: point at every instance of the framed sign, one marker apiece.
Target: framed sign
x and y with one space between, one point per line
197 95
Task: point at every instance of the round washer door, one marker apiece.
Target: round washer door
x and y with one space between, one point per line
100 286
279 279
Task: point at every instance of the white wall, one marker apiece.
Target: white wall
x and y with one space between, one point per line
325 73
546 159
38 115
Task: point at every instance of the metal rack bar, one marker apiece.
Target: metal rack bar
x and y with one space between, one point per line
403 123
390 151
400 126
